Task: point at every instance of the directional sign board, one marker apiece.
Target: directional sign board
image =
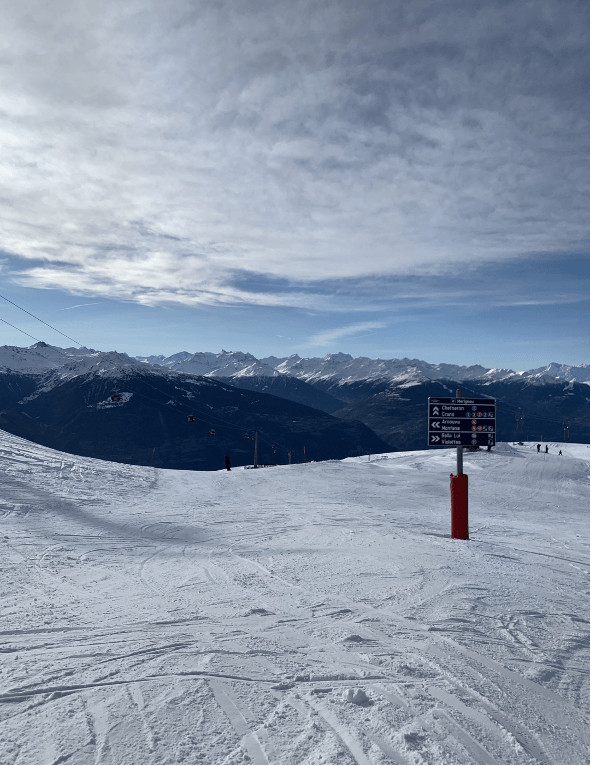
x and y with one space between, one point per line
462 422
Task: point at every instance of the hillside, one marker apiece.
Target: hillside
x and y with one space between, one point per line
71 409
525 410
308 614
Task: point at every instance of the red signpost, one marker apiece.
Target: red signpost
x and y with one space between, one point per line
459 506
461 422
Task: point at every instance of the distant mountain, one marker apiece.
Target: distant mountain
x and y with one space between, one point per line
575 374
338 368
38 357
71 408
525 411
343 369
287 388
225 364
387 396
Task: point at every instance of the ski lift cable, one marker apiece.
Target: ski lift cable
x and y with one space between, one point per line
67 356
528 414
196 408
39 320
209 420
539 417
213 419
37 339
277 443
217 418
162 404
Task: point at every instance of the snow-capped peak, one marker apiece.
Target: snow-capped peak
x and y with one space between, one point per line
39 357
337 368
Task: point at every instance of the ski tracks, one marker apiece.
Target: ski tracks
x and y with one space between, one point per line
238 715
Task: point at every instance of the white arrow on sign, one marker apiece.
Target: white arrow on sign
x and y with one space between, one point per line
436 410
435 438
436 425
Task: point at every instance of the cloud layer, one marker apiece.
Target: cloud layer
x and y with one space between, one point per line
167 151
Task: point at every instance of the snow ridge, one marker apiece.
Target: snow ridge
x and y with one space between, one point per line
336 368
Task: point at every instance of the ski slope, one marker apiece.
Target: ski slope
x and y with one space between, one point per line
315 613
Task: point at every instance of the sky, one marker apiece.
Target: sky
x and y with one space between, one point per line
383 178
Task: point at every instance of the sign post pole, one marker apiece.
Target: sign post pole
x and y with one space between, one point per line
458 485
459 450
461 422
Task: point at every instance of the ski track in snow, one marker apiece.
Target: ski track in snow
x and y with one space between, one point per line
152 616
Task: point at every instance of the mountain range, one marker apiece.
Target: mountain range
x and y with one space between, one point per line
338 367
107 405
334 406
344 368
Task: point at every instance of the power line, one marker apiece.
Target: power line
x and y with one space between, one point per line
210 419
39 320
59 351
19 329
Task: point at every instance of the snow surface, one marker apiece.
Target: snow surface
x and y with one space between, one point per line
315 613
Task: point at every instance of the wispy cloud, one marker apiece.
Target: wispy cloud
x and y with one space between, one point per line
80 305
328 336
154 150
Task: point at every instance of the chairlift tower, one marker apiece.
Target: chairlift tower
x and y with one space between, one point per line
256 444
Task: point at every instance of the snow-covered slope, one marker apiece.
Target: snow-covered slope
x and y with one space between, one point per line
572 373
226 364
107 364
39 357
305 614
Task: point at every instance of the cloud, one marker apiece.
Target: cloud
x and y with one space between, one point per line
79 306
153 151
328 336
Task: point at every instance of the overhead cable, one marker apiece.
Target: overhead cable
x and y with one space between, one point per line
55 348
39 320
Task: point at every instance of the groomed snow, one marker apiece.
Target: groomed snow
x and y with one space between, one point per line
316 613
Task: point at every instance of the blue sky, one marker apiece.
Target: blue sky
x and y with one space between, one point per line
384 178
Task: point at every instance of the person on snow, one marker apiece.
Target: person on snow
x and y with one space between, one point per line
538 446
560 452
546 449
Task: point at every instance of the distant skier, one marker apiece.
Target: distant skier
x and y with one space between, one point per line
546 449
538 446
560 452
227 463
